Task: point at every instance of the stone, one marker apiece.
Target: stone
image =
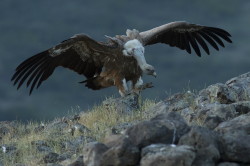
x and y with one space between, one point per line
121 152
223 111
39 129
176 102
173 121
78 162
235 138
240 85
164 128
9 149
51 157
167 155
212 121
123 105
92 153
41 146
120 128
205 143
78 129
53 164
57 126
219 93
75 144
64 156
228 164
149 132
240 124
18 164
242 107
7 127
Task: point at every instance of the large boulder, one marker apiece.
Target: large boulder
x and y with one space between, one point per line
205 144
164 128
235 139
167 155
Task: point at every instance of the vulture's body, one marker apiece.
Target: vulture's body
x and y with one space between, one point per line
118 62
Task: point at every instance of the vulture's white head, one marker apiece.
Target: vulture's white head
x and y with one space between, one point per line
135 48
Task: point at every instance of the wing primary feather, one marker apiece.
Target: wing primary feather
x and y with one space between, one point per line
219 30
26 75
19 74
188 48
32 59
207 38
221 34
216 38
194 44
35 73
22 70
201 42
35 81
46 74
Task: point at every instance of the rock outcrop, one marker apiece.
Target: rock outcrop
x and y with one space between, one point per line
211 128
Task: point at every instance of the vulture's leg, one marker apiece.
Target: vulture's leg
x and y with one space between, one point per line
121 84
137 86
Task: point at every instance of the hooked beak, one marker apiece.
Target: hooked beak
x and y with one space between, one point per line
154 74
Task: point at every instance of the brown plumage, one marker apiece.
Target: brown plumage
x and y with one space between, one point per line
118 61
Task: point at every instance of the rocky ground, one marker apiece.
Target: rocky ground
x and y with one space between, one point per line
211 128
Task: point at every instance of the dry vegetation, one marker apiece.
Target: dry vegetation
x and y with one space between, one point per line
98 120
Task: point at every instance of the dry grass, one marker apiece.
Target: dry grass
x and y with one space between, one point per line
99 120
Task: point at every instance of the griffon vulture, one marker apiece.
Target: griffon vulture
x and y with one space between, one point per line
118 62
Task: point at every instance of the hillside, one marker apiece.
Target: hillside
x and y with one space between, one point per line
209 127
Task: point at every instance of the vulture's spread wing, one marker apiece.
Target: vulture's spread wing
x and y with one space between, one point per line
79 53
185 35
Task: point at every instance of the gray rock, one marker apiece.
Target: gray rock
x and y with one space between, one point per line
212 121
7 127
149 132
9 149
53 164
175 122
165 128
228 164
235 89
64 156
223 111
121 152
39 129
78 162
175 102
235 138
92 153
205 143
180 101
123 105
120 128
75 145
240 85
219 93
242 107
51 157
170 155
188 114
57 126
41 146
18 164
240 124
78 129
